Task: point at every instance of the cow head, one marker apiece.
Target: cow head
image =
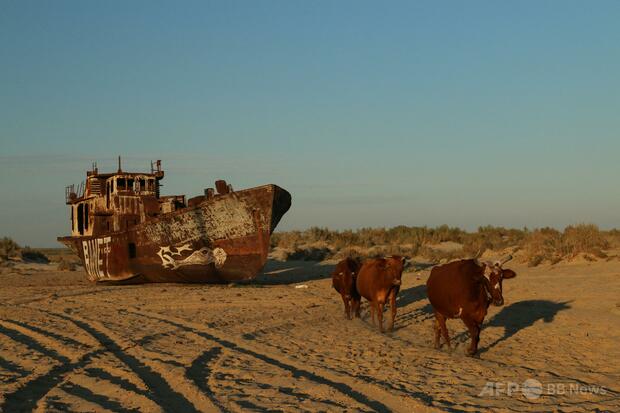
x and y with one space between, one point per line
496 275
396 265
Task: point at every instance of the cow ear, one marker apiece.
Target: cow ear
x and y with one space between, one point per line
404 259
508 274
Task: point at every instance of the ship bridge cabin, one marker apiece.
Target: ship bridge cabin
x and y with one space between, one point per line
115 202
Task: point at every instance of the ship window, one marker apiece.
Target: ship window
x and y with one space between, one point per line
132 250
142 185
120 184
85 217
130 184
111 185
80 218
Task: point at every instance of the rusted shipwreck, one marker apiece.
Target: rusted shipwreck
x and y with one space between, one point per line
124 231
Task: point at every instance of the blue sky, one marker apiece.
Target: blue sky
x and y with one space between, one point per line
369 113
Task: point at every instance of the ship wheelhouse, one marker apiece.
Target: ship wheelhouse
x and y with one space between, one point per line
114 202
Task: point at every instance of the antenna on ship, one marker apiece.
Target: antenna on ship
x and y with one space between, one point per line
119 164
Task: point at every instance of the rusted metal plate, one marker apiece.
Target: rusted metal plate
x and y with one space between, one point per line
125 232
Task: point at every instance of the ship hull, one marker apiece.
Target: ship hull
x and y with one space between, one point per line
222 239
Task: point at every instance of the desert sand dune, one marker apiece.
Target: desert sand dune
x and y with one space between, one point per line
68 345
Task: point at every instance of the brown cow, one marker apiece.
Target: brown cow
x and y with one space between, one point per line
464 289
343 281
378 280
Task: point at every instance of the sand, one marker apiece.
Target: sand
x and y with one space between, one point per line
68 345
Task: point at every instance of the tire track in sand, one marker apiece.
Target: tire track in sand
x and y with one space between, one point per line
26 397
161 382
358 390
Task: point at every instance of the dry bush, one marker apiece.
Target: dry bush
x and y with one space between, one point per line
495 238
542 245
376 251
309 254
8 248
549 245
584 238
368 237
317 234
475 246
444 233
353 252
388 250
438 256
34 256
286 240
613 238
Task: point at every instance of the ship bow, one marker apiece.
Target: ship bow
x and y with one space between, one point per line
281 204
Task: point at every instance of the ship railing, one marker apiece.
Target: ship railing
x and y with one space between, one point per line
71 193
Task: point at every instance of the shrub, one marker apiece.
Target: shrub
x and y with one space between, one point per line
353 252
584 238
438 256
287 240
550 245
309 254
8 248
30 255
475 246
494 238
613 237
542 245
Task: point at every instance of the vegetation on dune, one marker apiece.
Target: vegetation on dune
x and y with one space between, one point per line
30 255
551 245
8 248
533 246
434 245
11 250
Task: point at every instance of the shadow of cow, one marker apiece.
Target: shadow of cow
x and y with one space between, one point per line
523 314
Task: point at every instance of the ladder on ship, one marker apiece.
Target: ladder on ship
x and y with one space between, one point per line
95 187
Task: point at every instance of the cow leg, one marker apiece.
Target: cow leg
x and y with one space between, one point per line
437 330
393 307
380 307
355 306
441 323
474 332
372 311
347 307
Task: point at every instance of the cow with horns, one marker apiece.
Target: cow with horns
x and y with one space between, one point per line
464 289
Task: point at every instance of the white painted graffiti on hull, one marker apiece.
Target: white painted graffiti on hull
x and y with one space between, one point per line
202 256
96 253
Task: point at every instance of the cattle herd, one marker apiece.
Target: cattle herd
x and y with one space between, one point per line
460 289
